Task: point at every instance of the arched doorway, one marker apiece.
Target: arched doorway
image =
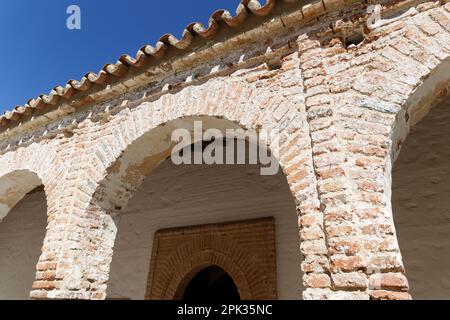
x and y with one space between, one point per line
212 284
421 204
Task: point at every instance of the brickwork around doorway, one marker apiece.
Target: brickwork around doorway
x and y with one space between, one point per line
245 250
341 97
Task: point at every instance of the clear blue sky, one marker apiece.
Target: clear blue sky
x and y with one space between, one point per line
38 52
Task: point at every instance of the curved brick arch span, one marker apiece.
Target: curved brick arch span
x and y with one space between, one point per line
431 90
218 104
415 95
23 170
14 186
140 141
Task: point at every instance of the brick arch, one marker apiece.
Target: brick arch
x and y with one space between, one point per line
196 255
26 169
428 93
23 170
120 193
234 102
32 163
14 186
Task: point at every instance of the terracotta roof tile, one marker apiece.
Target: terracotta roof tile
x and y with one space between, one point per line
119 69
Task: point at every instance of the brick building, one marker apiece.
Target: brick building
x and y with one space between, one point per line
92 206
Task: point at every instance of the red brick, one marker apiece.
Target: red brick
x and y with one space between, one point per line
389 295
343 263
389 281
316 281
331 173
45 285
348 246
338 216
352 280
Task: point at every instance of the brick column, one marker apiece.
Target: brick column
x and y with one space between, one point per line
350 156
363 244
77 252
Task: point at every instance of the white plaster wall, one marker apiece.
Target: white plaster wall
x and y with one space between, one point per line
22 234
176 196
421 205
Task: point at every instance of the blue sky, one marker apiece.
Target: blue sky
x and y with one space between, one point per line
38 52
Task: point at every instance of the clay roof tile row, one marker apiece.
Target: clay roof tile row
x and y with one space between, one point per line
144 55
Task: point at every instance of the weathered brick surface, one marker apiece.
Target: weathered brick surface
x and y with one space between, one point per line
342 112
351 280
389 295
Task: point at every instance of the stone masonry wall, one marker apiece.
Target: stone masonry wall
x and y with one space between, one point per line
341 97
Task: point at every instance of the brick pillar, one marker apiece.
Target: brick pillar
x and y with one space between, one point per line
77 252
99 252
295 156
369 245
57 265
352 166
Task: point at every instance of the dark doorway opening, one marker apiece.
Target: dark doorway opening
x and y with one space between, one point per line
212 284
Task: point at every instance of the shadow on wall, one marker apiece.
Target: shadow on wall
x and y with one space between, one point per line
22 233
421 204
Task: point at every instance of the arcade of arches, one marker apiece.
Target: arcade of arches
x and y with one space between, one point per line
355 114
